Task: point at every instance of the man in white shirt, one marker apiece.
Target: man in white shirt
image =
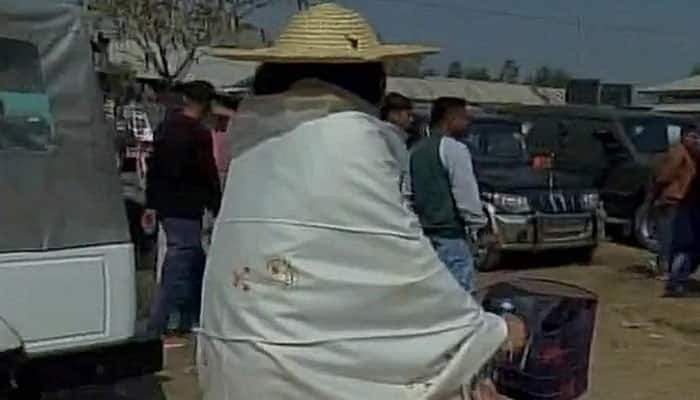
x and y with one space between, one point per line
445 191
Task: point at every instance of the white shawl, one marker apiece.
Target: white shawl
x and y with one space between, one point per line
320 284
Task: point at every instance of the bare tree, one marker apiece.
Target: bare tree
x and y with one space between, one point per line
162 28
546 76
695 70
455 70
510 72
237 10
477 73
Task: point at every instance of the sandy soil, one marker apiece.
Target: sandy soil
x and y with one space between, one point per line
646 348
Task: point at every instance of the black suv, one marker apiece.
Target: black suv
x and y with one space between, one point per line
617 148
530 207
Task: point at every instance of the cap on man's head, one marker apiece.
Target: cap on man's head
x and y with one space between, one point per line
201 92
395 102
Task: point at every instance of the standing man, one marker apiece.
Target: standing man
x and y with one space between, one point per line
677 192
446 194
397 109
182 183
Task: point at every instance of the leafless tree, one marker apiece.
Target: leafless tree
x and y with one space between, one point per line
163 27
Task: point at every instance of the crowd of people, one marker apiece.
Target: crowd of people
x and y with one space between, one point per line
325 222
332 217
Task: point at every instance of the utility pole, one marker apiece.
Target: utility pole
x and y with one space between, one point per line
580 29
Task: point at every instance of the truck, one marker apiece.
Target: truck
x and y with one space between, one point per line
67 270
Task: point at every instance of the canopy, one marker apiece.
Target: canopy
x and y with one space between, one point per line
58 179
430 89
691 84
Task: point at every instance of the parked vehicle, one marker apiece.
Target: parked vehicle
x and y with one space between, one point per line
531 204
11 358
617 148
67 275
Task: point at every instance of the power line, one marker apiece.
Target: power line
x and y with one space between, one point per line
577 22
484 11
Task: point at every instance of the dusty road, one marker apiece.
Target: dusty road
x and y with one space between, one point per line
646 348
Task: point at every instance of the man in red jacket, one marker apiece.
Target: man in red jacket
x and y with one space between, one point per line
182 183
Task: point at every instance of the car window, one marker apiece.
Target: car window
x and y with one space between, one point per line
569 138
496 139
25 117
652 134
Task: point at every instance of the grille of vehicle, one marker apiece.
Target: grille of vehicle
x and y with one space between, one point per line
556 202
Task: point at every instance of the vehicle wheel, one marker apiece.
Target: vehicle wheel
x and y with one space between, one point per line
645 227
486 256
25 393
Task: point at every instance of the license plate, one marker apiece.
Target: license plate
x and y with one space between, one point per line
566 226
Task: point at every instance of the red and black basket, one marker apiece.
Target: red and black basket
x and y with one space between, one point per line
559 319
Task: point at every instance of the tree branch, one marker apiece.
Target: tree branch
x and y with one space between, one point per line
161 27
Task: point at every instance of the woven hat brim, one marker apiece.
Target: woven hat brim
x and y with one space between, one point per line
316 55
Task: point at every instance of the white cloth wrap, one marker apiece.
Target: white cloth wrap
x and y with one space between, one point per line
364 310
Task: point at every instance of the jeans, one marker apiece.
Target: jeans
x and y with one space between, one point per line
685 245
664 217
180 288
457 256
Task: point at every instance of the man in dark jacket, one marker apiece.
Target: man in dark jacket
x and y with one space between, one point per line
182 183
445 191
397 109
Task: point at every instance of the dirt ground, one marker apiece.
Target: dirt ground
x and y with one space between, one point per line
646 348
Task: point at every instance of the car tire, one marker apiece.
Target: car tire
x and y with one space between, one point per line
644 227
25 393
486 256
491 261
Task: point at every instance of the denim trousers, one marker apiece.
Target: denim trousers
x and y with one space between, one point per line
664 217
180 288
685 245
456 254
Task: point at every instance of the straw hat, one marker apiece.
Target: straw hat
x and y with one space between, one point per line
325 33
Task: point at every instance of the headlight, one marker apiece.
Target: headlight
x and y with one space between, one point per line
510 203
590 201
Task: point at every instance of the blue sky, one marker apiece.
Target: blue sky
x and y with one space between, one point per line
635 41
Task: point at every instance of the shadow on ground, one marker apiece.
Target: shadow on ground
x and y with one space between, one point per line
145 388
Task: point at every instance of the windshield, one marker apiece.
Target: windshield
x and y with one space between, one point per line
25 120
496 139
652 134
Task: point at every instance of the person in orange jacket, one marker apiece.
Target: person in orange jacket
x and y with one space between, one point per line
676 194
